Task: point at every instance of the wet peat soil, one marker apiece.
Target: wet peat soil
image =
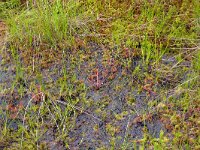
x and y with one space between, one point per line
116 105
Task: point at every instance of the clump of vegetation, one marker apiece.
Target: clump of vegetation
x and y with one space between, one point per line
99 74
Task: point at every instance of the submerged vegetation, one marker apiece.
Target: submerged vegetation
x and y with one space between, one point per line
99 74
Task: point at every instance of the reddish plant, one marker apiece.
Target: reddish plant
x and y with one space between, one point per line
99 76
38 96
95 79
14 109
149 86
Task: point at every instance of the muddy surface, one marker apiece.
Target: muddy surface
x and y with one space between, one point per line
117 99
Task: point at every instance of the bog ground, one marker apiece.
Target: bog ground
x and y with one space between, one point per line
94 74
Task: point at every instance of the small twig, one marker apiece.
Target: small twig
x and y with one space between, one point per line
78 108
92 35
186 48
183 59
181 85
187 81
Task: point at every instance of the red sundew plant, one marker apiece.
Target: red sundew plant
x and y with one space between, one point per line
14 109
126 53
99 76
38 96
149 87
95 79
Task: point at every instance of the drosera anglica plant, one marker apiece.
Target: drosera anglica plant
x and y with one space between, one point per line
95 79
